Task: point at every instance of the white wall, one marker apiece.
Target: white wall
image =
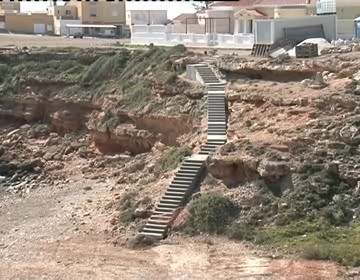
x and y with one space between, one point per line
61 29
345 28
144 35
268 31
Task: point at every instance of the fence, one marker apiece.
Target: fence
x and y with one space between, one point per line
162 35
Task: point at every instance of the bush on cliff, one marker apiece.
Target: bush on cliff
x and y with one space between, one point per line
211 213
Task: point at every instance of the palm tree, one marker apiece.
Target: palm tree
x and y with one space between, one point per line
202 5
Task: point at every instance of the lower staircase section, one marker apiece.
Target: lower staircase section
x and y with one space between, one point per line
185 180
191 171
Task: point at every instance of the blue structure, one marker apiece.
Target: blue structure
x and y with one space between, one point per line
357 27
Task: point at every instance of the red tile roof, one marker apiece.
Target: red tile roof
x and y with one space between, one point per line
184 16
284 2
238 3
248 12
250 3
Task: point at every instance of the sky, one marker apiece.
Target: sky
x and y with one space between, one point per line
173 8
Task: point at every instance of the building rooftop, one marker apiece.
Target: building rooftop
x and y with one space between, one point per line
259 3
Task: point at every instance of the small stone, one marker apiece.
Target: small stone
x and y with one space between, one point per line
87 188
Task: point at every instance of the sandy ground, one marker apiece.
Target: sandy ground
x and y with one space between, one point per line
62 232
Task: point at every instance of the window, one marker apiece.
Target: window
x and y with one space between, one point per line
93 11
114 9
67 12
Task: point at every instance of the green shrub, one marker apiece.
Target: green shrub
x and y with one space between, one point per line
110 119
171 159
240 231
137 95
127 207
211 213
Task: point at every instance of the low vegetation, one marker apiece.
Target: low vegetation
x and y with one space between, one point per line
90 74
171 159
315 241
211 213
127 207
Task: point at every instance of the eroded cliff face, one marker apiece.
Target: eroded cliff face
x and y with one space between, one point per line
64 116
125 104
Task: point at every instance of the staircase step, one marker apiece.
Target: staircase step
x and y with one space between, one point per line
170 201
164 209
159 212
182 176
179 185
213 126
217 124
167 205
172 197
174 193
216 114
205 152
216 142
153 234
160 218
158 222
188 172
189 162
190 168
182 191
150 225
206 146
216 129
154 230
182 181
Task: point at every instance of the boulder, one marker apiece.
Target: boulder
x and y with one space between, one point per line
272 169
350 134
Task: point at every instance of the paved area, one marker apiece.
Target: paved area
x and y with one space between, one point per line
20 40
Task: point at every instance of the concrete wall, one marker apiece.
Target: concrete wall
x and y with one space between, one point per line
146 17
345 28
348 12
24 23
191 72
289 13
268 31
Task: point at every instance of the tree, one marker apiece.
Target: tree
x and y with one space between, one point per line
202 5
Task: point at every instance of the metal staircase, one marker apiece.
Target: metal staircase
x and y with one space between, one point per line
190 173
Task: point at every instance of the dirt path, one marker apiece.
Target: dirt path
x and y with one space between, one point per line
60 233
